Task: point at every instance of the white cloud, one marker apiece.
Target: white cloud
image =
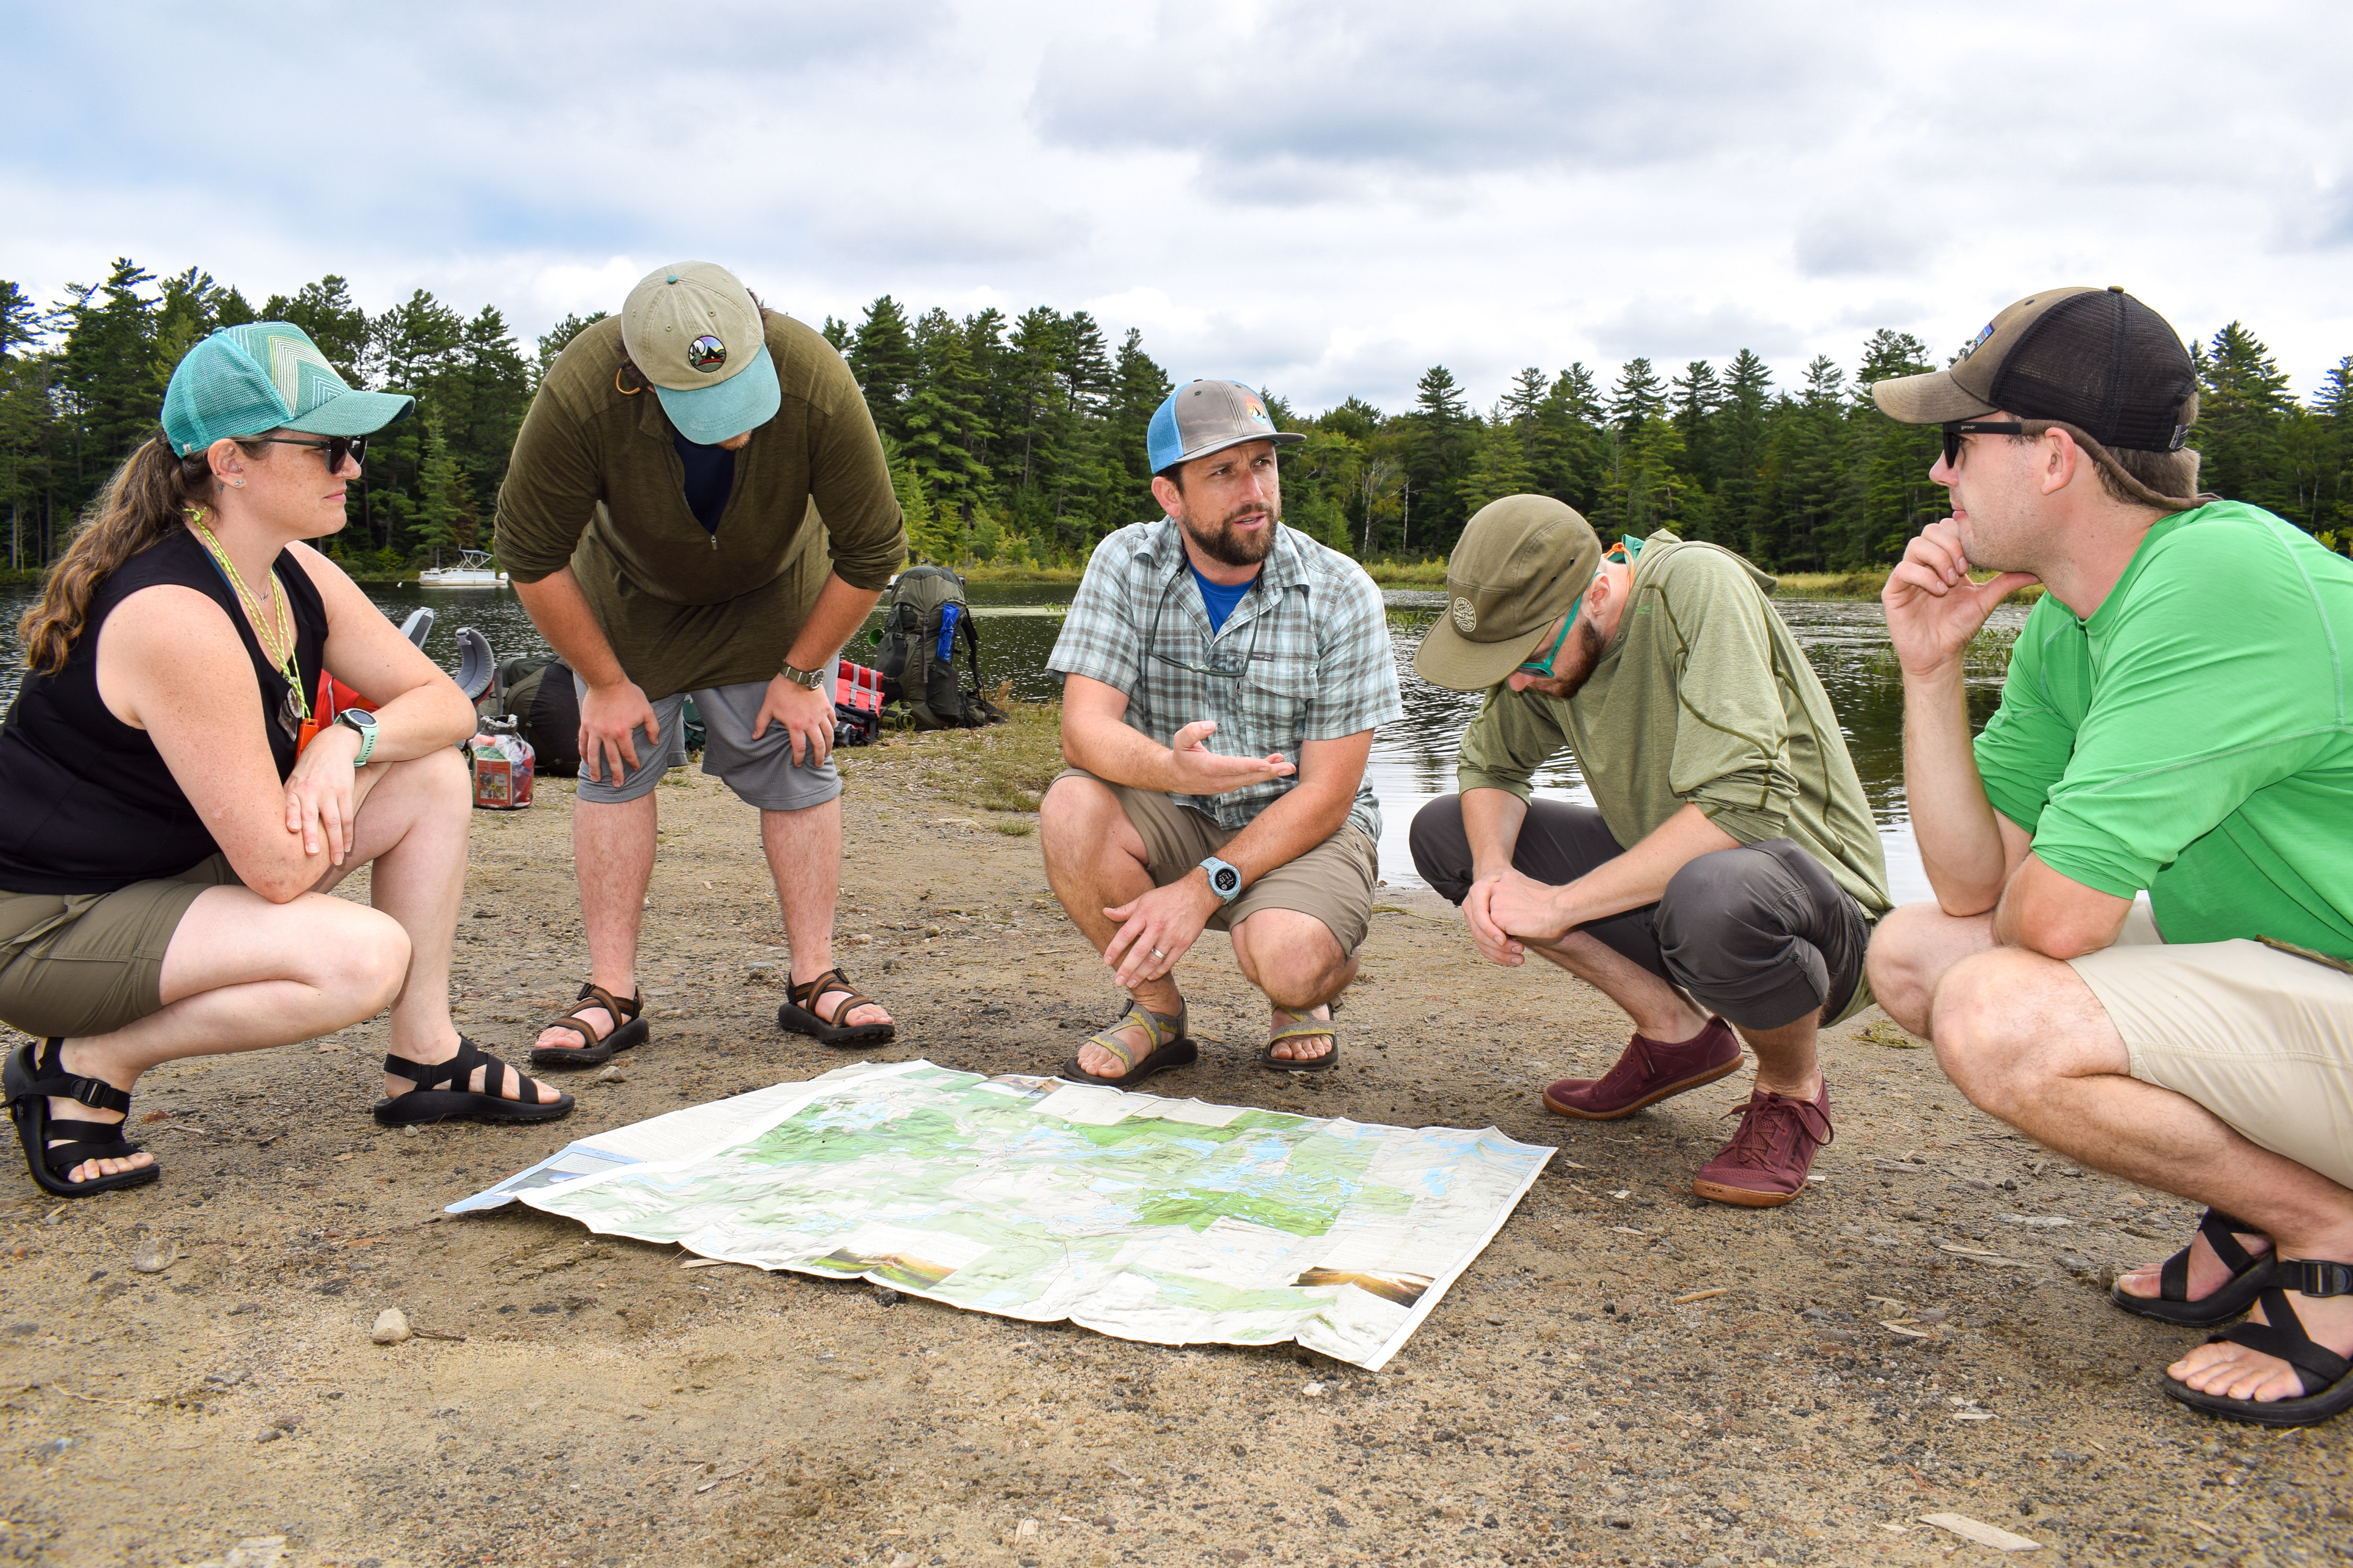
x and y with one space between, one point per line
1320 197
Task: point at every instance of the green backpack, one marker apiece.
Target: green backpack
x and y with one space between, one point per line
928 621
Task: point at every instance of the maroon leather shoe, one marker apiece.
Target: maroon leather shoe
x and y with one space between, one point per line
1649 1072
1765 1165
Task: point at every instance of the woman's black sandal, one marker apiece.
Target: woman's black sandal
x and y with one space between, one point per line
799 1016
2325 1378
441 1092
628 1029
2171 1304
30 1082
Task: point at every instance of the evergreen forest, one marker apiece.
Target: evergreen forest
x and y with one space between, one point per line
1018 441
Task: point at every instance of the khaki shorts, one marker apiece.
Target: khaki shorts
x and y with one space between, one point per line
88 964
1333 881
2262 1038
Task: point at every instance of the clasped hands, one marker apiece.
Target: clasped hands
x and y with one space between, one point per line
1506 909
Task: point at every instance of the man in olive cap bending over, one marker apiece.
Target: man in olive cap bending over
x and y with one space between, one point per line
698 503
1722 884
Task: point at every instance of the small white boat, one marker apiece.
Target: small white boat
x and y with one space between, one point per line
472 571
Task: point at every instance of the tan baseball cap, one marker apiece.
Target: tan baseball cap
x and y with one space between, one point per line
694 330
1520 566
2097 359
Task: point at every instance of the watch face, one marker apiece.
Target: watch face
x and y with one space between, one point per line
1227 879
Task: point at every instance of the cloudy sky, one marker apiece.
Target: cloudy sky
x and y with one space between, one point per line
1323 198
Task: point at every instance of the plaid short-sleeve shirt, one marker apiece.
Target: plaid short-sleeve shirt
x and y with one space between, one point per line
1305 656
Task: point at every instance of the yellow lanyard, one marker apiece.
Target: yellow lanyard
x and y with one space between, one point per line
277 638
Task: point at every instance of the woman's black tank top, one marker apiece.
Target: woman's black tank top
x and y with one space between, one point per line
87 805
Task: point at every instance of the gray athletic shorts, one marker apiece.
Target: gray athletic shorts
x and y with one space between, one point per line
761 773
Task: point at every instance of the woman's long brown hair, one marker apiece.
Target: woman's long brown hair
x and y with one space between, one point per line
145 501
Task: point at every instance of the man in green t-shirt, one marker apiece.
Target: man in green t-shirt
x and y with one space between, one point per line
1724 878
2178 721
698 505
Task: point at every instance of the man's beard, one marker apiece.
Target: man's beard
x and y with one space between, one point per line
1576 667
1223 545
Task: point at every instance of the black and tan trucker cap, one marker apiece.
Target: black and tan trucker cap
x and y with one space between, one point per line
2097 359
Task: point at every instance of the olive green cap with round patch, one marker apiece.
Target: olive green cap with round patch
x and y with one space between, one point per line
1521 565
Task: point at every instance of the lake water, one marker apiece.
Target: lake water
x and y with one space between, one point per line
1412 760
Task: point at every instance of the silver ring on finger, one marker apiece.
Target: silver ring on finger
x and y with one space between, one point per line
1158 953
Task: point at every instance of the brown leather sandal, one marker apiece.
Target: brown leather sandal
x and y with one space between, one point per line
628 1029
797 1013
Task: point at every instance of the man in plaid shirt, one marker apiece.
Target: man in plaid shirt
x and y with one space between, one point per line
1222 678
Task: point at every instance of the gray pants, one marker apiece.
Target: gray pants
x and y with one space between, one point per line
1762 934
761 772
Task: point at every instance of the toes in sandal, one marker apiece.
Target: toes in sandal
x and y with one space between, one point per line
30 1081
1163 1032
628 1029
1305 1028
2325 1378
799 1016
441 1092
2171 1304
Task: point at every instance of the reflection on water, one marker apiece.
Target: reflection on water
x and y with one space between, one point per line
1412 760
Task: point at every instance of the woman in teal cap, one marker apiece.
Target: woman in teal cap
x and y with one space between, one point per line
174 808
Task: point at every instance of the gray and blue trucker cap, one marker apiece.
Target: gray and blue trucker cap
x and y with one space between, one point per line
1204 416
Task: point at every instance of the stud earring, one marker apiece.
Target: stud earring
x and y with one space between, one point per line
238 483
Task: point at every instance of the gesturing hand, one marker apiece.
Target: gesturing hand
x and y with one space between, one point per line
1157 929
1200 771
1932 607
807 716
610 718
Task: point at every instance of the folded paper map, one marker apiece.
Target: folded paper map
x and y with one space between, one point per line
1168 1221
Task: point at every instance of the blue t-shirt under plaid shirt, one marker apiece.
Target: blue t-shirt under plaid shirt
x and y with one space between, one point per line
1305 656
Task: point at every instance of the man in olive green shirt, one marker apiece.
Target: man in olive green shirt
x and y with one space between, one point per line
698 502
2178 720
1725 876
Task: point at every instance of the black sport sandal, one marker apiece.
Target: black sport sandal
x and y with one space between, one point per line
2325 1377
35 1073
2171 1304
441 1092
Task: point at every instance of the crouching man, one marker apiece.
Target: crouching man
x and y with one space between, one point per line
1222 678
1727 873
2178 718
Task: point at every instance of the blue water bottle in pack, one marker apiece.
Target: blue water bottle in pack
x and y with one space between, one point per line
948 613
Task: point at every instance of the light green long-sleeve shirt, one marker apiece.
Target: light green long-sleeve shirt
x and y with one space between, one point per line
1702 698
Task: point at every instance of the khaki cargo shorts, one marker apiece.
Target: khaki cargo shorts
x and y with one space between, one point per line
1333 881
2262 1038
88 964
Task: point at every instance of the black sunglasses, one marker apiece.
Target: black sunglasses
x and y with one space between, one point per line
337 447
1960 427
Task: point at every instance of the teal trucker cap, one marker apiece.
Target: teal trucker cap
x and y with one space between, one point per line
267 375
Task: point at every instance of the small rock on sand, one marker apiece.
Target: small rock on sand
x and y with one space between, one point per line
391 1327
154 1257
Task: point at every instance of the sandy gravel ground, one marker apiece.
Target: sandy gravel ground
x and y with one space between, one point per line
1627 1376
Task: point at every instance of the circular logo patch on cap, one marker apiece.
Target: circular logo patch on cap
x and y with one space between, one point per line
706 354
1466 619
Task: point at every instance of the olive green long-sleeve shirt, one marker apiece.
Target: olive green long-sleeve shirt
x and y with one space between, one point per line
1702 698
596 484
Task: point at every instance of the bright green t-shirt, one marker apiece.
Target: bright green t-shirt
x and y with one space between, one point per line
2195 736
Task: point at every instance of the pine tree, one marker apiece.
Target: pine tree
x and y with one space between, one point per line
325 310
1892 460
1438 461
941 418
558 338
2243 406
1638 399
1499 463
882 358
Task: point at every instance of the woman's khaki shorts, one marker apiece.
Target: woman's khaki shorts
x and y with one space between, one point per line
1333 881
88 964
2262 1038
